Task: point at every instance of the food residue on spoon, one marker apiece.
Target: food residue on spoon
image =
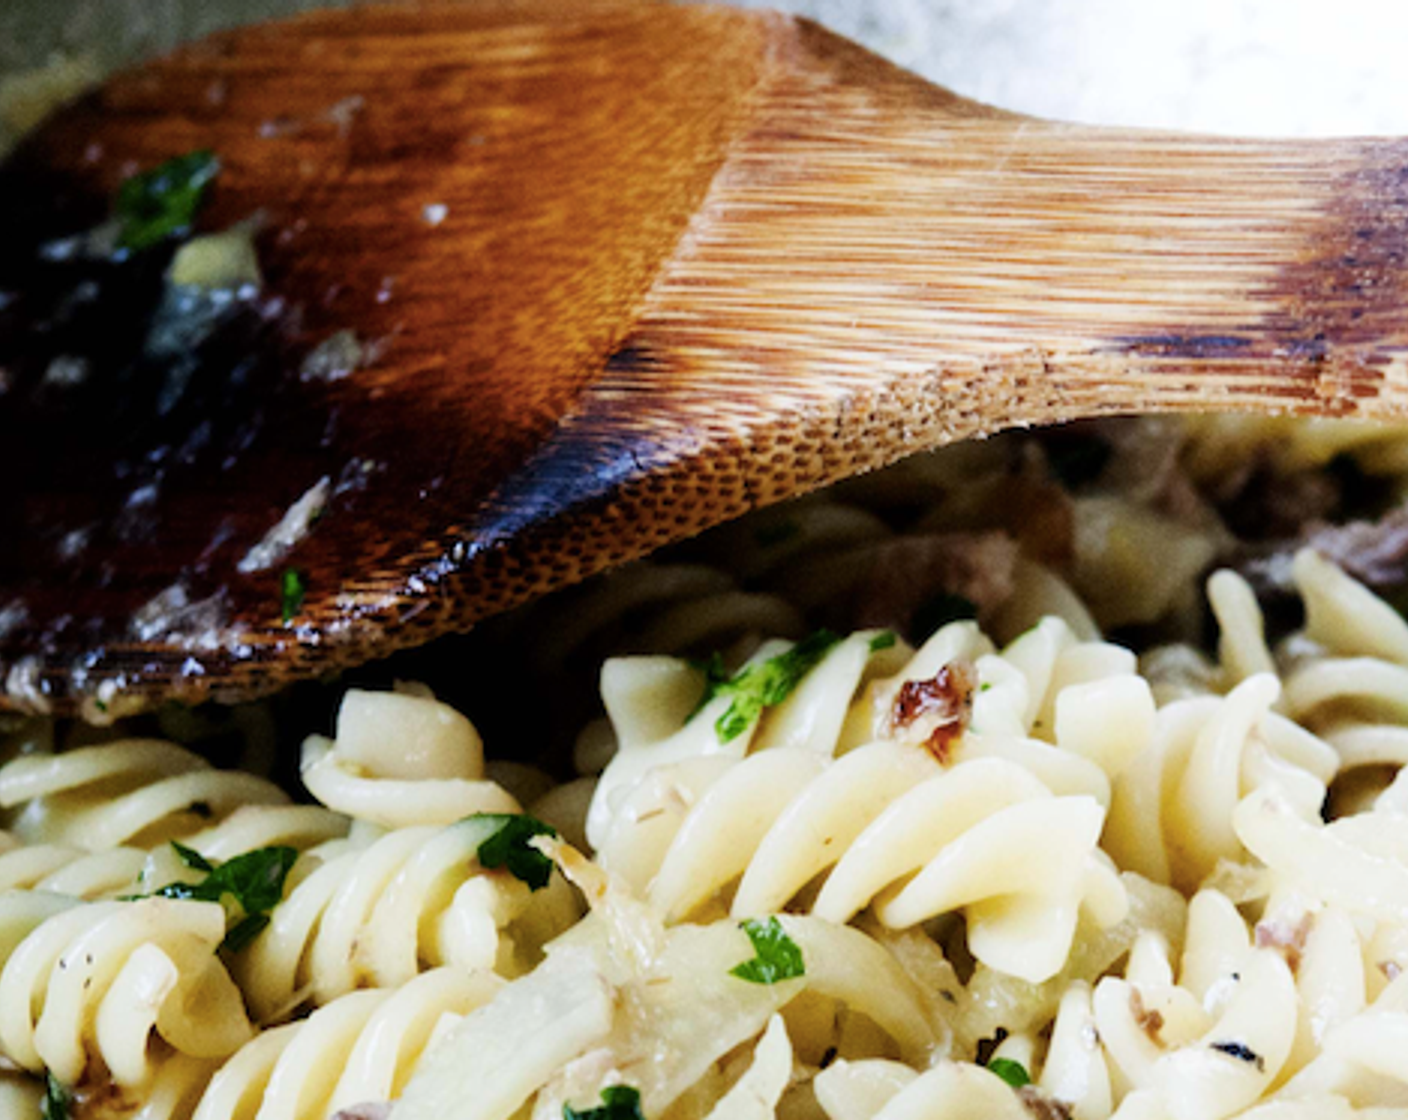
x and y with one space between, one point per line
334 358
12 616
291 528
67 371
174 616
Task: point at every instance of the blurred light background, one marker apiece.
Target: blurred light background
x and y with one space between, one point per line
1266 67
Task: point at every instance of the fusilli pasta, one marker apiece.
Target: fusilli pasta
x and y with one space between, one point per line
115 982
377 914
1013 869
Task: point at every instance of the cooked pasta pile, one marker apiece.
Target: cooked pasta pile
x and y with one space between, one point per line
877 823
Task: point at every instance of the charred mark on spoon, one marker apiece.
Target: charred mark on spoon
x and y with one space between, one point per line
1333 305
1331 309
1182 345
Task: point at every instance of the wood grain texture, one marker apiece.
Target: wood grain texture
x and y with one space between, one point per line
693 261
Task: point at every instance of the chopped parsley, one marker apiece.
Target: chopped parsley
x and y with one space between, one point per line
939 611
777 957
253 882
618 1102
55 1105
192 858
886 639
292 589
508 846
714 675
755 687
164 201
242 933
1014 1073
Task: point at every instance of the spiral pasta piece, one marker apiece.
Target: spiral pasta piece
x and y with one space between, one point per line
591 1017
1242 645
399 760
62 869
1360 1060
360 1049
987 839
654 705
103 981
1344 616
1206 754
135 792
1359 862
949 1091
685 817
376 914
980 837
1239 1020
1194 1064
1346 674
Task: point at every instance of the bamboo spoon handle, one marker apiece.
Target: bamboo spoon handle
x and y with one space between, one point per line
896 275
632 269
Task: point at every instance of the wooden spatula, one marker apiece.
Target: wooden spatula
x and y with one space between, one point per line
612 272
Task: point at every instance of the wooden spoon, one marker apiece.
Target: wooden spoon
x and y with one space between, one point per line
618 272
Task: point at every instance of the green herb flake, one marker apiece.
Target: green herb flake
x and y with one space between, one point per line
164 201
243 932
714 675
192 858
935 613
254 881
777 958
1014 1073
755 687
886 639
55 1105
618 1102
292 590
509 847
